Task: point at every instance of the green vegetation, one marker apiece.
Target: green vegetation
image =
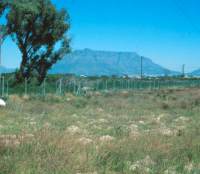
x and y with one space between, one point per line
102 133
2 7
40 32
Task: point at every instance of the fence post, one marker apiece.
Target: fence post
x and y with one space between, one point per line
74 86
25 87
44 88
0 85
3 86
78 92
97 88
60 87
114 84
7 89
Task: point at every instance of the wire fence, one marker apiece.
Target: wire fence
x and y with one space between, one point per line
82 86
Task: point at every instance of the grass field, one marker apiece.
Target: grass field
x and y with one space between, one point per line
156 132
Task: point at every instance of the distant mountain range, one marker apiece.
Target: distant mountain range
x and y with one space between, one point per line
97 63
195 73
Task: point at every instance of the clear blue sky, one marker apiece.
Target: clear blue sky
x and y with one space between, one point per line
167 31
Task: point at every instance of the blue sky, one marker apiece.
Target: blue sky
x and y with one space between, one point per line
167 31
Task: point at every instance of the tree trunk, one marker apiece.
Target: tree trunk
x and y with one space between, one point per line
24 72
42 71
41 77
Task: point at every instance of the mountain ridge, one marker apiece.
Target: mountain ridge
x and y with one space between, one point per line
195 73
98 62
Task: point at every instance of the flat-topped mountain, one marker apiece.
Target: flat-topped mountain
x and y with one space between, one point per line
91 63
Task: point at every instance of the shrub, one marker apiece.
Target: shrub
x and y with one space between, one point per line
164 105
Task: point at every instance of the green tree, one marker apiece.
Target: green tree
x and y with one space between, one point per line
2 6
40 32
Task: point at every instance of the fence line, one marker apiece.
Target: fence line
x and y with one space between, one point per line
79 86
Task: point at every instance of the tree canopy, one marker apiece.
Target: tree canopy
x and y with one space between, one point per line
40 32
2 7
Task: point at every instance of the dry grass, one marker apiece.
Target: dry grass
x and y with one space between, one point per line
108 133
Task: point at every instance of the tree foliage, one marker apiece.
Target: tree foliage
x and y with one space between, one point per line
2 6
40 32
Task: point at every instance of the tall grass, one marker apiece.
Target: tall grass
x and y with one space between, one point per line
109 133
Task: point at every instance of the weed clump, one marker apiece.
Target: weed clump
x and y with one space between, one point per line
165 106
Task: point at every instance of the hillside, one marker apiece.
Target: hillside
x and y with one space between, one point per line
89 62
195 73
